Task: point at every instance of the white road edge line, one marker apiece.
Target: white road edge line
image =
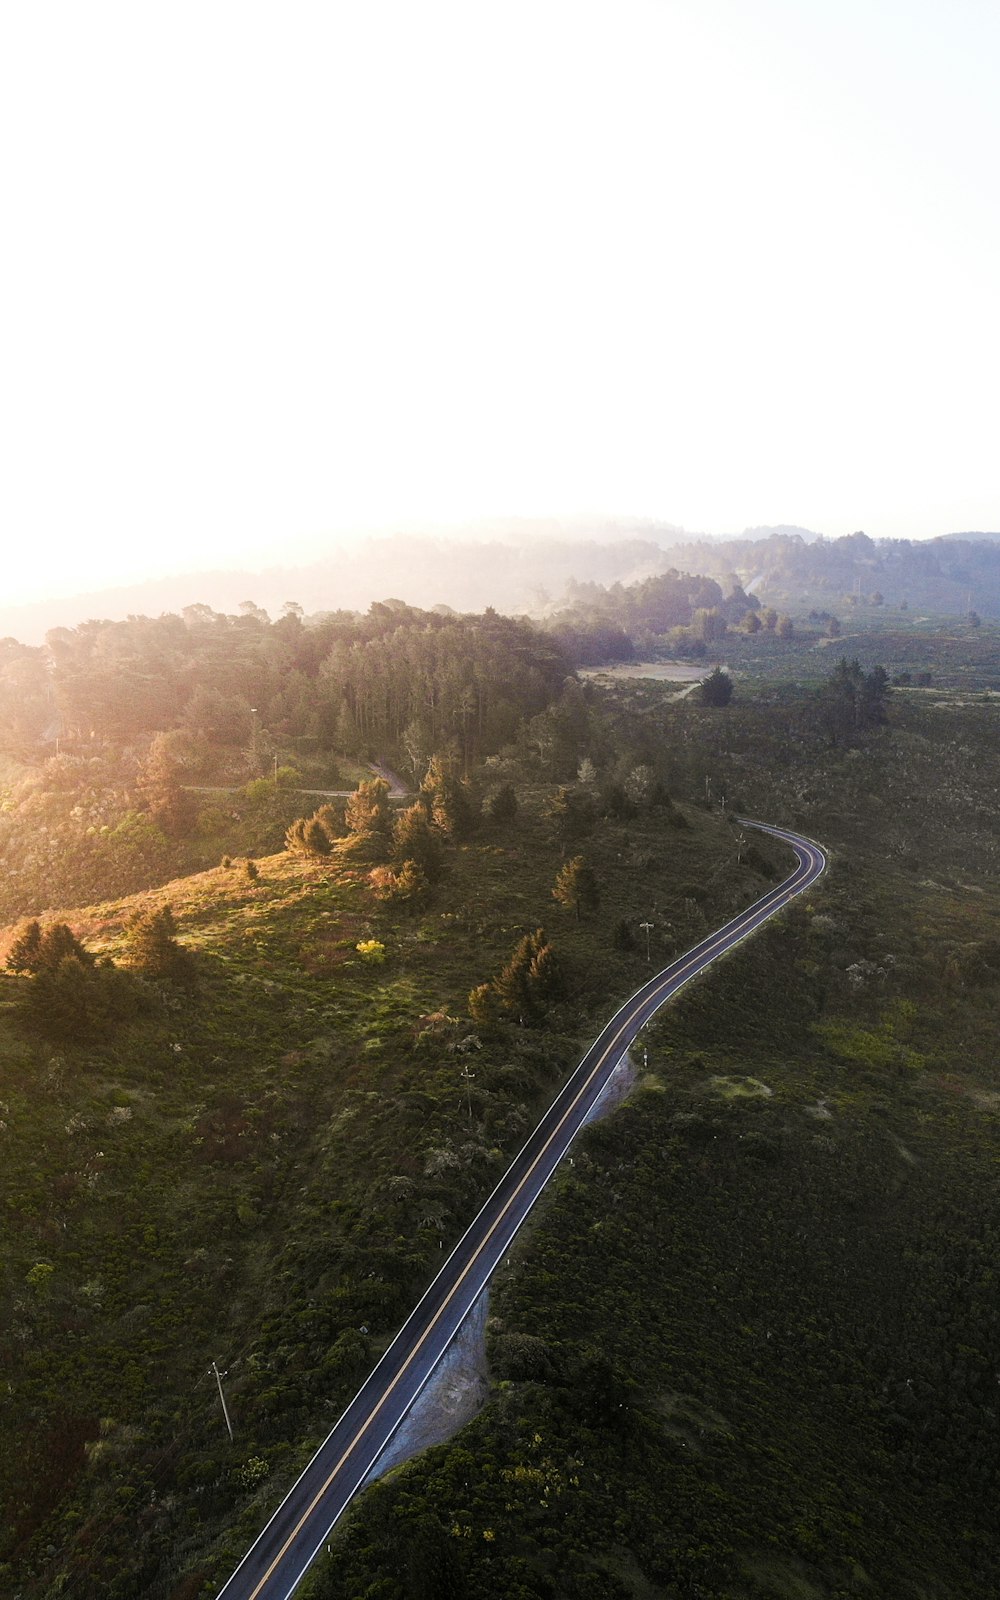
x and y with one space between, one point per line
811 865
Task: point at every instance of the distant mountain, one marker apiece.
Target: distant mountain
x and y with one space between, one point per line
975 538
525 572
524 566
782 528
948 575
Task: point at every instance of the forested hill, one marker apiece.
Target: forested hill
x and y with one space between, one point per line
132 752
356 683
676 609
950 574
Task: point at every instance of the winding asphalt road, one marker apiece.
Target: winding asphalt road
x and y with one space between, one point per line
284 1550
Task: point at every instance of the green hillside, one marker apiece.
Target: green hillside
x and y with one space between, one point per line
263 1169
749 1348
746 1348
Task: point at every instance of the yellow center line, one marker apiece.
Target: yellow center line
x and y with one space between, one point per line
695 961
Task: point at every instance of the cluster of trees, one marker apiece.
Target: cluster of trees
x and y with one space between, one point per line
75 994
525 985
395 679
408 847
683 611
853 700
316 835
934 574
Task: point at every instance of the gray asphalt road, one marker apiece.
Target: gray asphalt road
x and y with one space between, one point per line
286 1547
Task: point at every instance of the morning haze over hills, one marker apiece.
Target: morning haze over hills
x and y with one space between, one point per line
272 1030
500 995
525 566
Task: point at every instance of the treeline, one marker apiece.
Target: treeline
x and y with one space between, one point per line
396 679
943 575
679 610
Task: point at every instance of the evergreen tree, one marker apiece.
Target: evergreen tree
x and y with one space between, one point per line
80 999
484 1003
576 886
368 818
448 800
502 804
171 807
853 700
524 984
416 839
407 886
25 952
316 838
717 688
153 948
34 951
333 818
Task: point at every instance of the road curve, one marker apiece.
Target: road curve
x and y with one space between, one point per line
287 1546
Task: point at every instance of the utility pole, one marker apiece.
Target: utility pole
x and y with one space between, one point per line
468 1076
647 928
225 1409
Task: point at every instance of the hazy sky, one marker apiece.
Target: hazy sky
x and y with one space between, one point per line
271 271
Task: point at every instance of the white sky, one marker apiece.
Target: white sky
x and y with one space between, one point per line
273 271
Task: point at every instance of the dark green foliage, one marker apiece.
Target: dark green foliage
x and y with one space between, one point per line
80 999
853 701
417 840
152 947
524 986
501 804
616 804
717 688
623 936
302 1139
601 624
34 951
69 994
573 815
